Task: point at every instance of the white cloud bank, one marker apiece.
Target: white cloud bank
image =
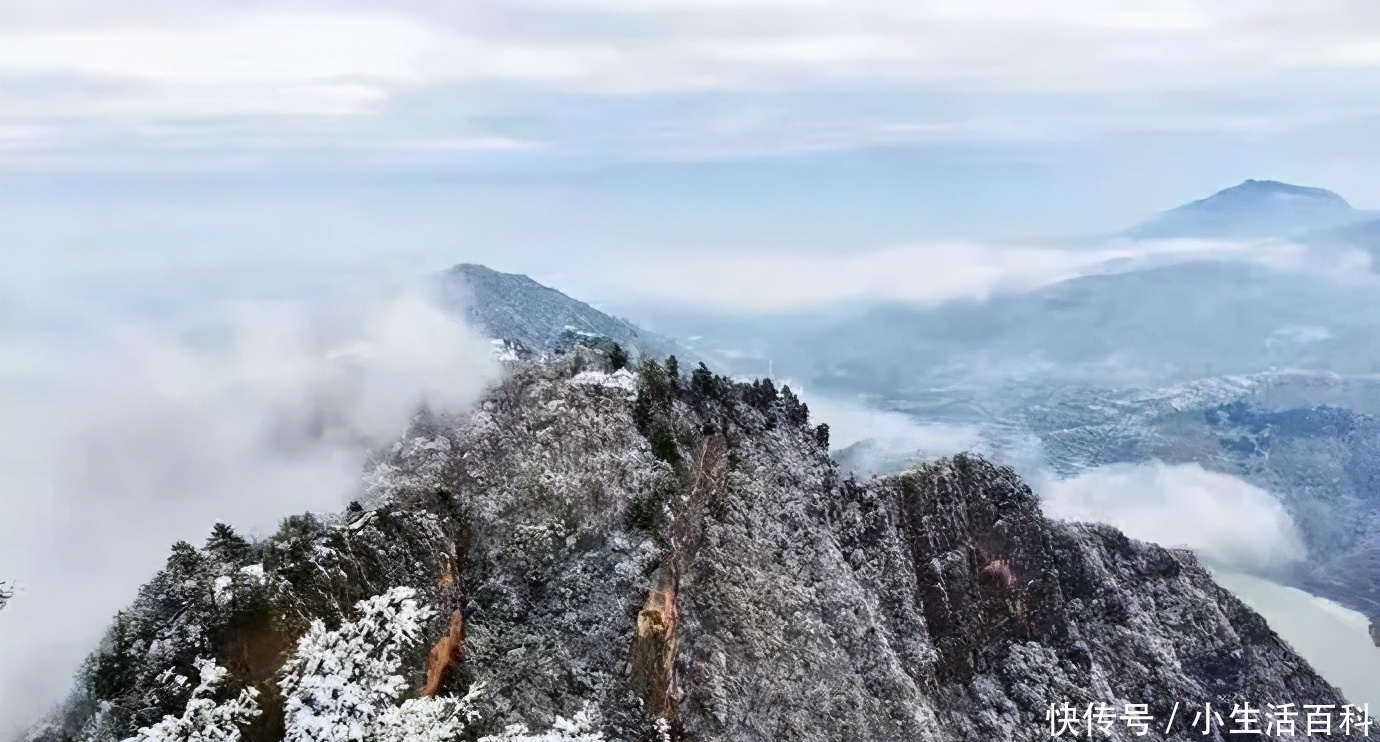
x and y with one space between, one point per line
161 434
889 436
1228 522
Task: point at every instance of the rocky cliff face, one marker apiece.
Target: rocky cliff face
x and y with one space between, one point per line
661 555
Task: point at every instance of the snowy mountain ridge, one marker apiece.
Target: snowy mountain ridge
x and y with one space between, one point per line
658 555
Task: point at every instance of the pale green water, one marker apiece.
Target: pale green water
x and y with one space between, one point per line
1334 639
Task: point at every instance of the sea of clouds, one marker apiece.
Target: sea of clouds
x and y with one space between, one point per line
125 431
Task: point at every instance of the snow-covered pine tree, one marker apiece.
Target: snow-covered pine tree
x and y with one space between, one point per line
344 686
205 720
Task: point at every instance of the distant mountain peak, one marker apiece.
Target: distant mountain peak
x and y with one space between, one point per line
484 271
1252 209
514 308
1255 190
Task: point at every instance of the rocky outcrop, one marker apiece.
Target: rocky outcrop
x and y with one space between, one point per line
678 554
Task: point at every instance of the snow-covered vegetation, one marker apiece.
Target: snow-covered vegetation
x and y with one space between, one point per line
205 719
596 554
344 686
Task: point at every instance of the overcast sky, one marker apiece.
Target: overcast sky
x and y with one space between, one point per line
987 118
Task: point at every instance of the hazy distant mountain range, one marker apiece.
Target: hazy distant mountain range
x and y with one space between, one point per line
1151 327
1148 325
1170 363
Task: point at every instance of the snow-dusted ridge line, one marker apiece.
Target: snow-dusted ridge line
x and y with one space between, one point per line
680 559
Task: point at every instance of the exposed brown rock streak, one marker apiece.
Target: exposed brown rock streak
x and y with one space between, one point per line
447 653
654 648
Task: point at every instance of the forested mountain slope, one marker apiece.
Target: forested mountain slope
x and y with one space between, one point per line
592 553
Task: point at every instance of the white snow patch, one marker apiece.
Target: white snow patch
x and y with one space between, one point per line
577 729
343 685
503 351
220 589
620 379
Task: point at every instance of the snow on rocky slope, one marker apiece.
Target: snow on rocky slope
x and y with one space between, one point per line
592 553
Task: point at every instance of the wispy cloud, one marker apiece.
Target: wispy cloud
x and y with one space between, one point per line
928 273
